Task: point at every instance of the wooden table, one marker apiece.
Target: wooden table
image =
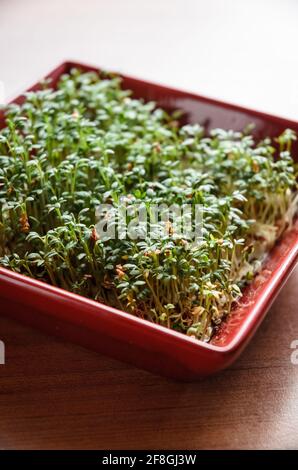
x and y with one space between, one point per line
55 395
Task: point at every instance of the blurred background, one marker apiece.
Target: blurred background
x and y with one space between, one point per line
239 51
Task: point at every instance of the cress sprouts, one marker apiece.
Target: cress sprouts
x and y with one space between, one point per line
88 142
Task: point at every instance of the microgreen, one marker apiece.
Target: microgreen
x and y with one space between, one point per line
64 151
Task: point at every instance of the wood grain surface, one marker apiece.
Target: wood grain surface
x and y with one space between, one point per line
55 395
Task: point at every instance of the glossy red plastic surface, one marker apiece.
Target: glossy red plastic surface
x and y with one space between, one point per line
137 341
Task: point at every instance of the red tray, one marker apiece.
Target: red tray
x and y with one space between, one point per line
138 341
